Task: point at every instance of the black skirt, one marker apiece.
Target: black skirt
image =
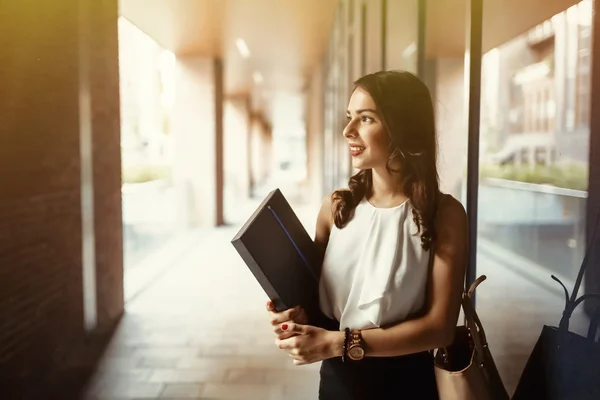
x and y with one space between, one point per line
405 377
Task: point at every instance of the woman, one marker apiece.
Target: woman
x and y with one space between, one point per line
394 251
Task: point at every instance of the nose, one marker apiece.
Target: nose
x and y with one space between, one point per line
350 130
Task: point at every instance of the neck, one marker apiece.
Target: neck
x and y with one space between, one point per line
385 184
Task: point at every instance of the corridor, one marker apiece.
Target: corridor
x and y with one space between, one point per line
200 330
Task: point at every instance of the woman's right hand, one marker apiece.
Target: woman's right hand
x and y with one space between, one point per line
295 315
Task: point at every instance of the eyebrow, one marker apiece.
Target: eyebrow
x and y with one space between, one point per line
363 110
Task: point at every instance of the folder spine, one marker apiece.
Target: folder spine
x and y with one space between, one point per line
309 267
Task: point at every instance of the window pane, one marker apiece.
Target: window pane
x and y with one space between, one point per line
533 180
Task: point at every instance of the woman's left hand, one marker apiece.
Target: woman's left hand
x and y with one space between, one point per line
310 344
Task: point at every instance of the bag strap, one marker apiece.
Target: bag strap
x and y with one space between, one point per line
473 323
571 302
586 258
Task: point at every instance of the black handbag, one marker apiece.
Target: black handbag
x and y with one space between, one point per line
564 365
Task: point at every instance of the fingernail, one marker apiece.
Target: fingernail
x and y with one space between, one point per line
284 327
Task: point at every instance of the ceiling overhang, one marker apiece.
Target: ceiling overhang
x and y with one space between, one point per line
446 27
287 39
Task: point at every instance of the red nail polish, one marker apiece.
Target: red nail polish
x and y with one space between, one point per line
284 327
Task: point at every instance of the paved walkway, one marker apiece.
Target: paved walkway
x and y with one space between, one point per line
200 330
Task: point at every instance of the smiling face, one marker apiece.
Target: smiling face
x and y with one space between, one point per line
369 143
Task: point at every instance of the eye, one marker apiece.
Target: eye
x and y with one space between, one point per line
348 117
367 119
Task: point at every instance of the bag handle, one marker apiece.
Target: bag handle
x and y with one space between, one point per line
570 306
571 302
472 321
586 258
474 285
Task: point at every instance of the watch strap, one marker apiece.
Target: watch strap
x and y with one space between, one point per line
345 349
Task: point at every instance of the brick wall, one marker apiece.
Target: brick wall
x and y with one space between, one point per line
41 296
107 161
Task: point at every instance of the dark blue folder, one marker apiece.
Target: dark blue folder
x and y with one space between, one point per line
280 253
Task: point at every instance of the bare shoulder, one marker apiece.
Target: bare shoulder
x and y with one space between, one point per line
451 224
325 217
451 211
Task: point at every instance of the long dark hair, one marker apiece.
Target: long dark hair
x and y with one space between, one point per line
405 108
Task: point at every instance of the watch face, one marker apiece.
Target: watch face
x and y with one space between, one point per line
356 353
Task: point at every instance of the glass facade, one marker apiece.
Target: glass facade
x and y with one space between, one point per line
535 146
534 153
533 184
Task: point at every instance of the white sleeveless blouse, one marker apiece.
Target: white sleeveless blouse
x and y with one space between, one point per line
375 271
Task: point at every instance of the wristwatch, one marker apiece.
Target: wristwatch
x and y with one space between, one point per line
355 346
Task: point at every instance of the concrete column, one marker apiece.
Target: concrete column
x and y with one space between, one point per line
269 152
257 143
374 36
237 176
198 165
249 141
253 155
402 44
218 110
267 139
450 124
314 136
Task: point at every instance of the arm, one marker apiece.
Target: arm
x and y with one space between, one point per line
323 228
436 327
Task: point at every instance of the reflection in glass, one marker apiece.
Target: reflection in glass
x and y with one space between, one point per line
534 146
